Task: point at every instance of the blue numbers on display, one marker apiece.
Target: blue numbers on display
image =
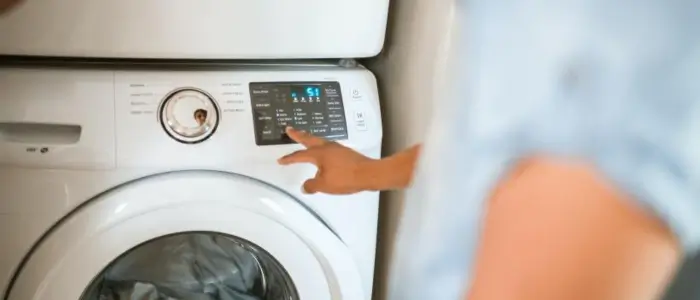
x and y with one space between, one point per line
313 91
309 92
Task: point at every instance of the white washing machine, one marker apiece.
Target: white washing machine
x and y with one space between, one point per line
120 182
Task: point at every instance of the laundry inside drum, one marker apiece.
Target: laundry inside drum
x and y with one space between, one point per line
194 266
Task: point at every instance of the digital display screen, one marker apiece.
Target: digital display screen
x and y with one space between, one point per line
309 92
316 107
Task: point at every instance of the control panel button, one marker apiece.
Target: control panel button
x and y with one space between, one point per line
189 115
356 94
359 116
320 131
360 123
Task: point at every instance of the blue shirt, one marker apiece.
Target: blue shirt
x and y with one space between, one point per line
616 83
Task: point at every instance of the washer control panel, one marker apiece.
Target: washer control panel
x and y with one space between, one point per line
177 118
189 115
313 106
216 117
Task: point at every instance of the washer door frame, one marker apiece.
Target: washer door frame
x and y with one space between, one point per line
79 248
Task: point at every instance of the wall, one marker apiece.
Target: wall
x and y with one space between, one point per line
409 71
686 286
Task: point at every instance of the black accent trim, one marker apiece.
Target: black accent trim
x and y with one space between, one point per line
159 64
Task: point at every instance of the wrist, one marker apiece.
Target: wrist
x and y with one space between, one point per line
371 175
394 172
383 174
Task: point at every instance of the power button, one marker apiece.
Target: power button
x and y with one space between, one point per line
356 95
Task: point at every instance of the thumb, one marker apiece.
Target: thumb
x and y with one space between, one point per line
301 156
311 186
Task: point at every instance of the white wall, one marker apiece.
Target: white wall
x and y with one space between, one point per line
409 70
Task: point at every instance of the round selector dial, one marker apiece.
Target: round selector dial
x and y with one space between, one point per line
189 115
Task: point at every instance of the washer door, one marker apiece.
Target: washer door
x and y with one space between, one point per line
195 235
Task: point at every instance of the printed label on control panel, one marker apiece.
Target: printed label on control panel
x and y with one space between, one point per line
231 97
144 98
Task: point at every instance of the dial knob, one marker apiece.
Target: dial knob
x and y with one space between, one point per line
189 115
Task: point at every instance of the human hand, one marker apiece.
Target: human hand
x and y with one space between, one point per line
340 169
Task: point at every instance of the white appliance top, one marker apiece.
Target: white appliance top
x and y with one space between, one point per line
204 29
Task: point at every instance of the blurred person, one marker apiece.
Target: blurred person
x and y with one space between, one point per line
564 164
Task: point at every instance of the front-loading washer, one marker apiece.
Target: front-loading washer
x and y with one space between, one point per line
129 183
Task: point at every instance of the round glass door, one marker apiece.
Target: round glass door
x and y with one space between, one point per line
190 235
194 265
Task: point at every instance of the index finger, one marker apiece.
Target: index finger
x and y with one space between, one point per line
304 138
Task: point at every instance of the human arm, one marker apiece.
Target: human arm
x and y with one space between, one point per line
393 172
342 170
556 230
